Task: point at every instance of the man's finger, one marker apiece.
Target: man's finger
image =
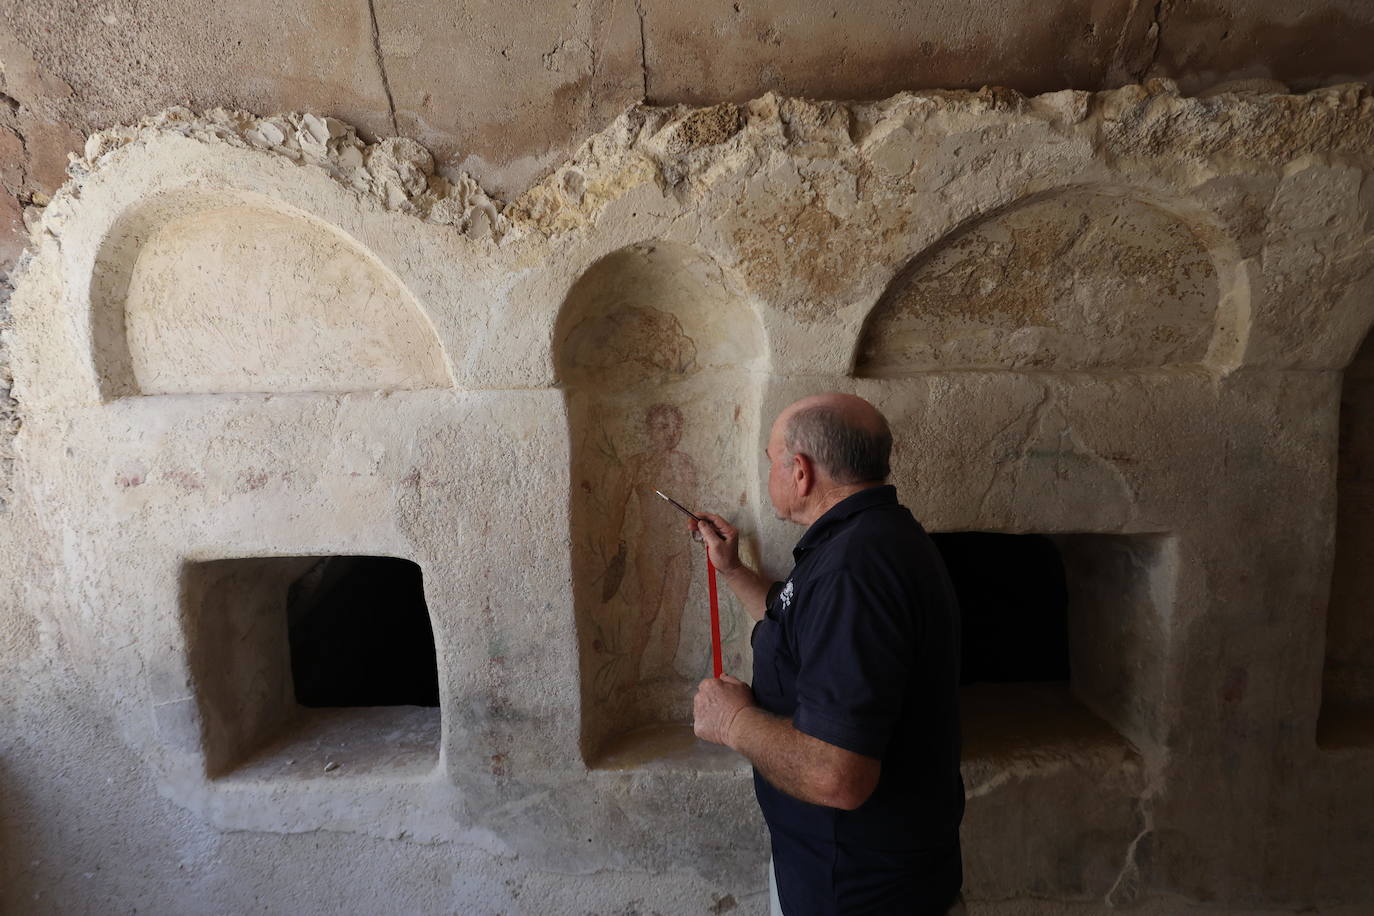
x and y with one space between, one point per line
731 679
719 523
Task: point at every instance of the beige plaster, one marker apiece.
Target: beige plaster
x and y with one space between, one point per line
1159 391
236 297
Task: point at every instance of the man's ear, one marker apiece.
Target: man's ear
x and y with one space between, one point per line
804 473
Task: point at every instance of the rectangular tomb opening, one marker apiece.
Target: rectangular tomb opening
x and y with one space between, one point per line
1061 635
307 663
1346 721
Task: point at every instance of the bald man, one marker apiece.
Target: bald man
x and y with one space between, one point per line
852 722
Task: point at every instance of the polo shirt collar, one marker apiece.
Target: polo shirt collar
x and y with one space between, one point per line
822 528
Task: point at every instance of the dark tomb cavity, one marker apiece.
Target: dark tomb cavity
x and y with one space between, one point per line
1014 605
360 635
1347 709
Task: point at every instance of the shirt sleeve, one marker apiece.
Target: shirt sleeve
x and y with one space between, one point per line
856 649
773 591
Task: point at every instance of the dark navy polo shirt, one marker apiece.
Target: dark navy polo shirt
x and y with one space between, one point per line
860 648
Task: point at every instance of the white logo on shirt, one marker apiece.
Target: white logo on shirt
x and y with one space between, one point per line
786 595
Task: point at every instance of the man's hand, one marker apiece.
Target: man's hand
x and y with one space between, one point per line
800 765
717 703
722 542
722 548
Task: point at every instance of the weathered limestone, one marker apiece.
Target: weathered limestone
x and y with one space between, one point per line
1120 319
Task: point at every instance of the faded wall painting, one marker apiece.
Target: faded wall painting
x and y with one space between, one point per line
1071 280
656 357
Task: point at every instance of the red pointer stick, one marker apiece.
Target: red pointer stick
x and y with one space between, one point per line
711 585
715 617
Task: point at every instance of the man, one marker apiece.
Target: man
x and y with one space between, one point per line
852 723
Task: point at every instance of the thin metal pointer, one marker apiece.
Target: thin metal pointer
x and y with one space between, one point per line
684 509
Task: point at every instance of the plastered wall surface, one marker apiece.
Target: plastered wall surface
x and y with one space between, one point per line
1117 318
506 91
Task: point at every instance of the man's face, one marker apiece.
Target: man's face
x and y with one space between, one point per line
782 486
665 429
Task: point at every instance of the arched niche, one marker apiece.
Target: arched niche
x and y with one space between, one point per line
656 354
1071 279
1347 710
228 292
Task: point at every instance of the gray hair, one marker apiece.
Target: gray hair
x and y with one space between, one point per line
847 452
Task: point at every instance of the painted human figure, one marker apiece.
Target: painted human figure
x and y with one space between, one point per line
662 557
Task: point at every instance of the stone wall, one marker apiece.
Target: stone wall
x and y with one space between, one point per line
1119 319
9 407
505 92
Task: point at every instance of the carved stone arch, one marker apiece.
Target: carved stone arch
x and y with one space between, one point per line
657 356
1081 277
224 291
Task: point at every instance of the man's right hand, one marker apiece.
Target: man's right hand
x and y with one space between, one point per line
721 539
722 547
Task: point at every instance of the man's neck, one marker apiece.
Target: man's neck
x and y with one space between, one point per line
829 497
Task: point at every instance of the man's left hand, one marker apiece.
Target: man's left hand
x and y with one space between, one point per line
717 703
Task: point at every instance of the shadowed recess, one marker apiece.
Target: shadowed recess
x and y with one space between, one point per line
360 635
1067 629
1013 604
1347 708
654 350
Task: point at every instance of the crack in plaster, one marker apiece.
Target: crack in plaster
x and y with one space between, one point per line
1118 52
10 420
1150 41
593 47
14 105
643 51
23 193
1067 435
1161 13
381 66
1082 448
1125 890
1035 416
